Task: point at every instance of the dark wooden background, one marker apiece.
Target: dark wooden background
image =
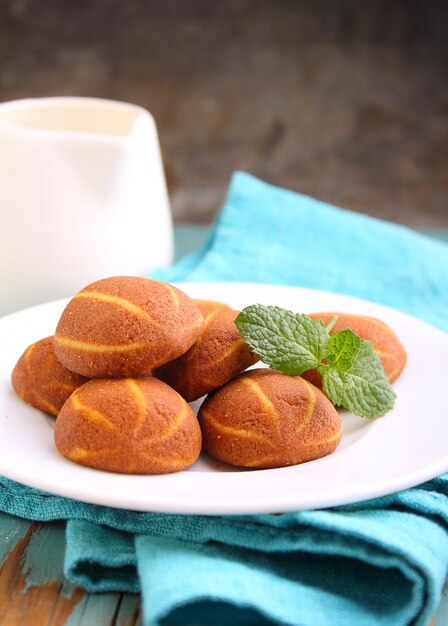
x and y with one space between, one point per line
340 99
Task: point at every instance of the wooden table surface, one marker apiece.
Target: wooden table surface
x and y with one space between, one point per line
33 590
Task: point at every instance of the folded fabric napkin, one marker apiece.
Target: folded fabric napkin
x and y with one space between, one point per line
383 561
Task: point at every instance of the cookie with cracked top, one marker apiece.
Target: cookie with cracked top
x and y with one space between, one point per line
129 426
217 356
385 342
39 379
125 325
265 419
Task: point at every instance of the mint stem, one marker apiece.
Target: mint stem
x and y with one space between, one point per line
331 324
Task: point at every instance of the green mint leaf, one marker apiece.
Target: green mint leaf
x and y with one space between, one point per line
342 347
332 384
362 388
290 342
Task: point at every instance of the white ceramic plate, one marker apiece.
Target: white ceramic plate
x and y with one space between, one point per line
406 447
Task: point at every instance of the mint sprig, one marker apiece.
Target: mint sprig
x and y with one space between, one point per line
352 374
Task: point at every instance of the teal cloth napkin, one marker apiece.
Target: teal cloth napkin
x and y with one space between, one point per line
383 561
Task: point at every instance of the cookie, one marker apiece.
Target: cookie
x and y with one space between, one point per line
208 306
217 356
129 426
124 326
385 342
264 419
39 379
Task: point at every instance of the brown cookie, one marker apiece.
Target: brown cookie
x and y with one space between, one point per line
128 425
264 419
41 380
124 326
217 356
208 306
385 343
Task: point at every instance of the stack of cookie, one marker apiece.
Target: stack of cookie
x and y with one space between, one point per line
95 374
128 356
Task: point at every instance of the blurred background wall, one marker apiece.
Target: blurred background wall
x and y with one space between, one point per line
340 99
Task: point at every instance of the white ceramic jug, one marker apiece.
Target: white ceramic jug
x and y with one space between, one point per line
82 197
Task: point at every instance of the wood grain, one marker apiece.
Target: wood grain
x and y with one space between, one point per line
33 590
